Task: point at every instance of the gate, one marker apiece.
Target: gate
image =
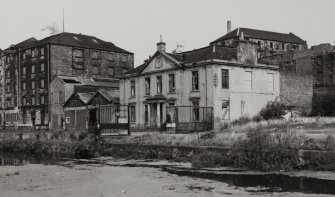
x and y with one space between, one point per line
187 119
114 119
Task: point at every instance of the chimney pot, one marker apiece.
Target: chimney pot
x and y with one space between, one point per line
161 45
228 27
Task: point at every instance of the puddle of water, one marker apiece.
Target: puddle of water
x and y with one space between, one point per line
18 159
267 182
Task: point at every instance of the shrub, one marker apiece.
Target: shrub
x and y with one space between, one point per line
273 110
86 148
208 135
242 120
210 160
263 151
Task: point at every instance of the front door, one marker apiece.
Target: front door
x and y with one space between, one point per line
93 118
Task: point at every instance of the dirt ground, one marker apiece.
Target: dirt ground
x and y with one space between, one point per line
36 180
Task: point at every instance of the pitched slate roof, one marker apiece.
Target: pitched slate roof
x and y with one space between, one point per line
201 54
207 53
110 95
261 34
98 82
77 40
85 97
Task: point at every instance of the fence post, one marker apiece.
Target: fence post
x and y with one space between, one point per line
176 119
128 109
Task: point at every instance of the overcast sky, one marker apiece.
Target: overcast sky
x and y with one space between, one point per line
135 25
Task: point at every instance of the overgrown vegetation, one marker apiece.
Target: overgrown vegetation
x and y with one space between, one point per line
210 160
272 110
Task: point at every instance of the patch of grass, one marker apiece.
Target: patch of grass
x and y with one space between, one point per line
210 160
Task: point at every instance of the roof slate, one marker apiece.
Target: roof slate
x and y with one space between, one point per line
85 97
261 34
205 53
72 39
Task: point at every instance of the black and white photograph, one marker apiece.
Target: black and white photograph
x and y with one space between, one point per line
167 98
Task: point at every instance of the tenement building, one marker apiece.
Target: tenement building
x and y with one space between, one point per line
32 65
227 79
324 84
268 43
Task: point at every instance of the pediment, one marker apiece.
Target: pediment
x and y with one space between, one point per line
160 61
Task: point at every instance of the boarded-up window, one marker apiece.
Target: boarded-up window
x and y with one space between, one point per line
42 51
42 83
95 55
110 71
270 82
248 80
242 107
24 86
42 99
225 110
95 70
33 100
78 59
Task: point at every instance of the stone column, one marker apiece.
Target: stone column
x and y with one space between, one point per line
149 118
158 115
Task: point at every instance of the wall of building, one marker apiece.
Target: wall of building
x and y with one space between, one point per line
243 101
297 90
266 47
33 68
109 65
76 119
210 93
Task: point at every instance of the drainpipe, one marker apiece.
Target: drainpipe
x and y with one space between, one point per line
48 85
18 85
206 83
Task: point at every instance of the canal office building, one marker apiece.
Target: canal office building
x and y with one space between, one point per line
228 79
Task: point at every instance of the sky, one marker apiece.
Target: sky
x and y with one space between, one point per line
136 25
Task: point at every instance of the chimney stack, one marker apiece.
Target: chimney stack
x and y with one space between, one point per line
228 27
161 45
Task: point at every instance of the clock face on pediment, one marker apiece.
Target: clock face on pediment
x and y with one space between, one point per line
159 61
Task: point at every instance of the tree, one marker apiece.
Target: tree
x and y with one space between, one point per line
52 28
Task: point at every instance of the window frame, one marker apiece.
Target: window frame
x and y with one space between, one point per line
147 85
172 83
159 82
251 79
195 80
33 84
132 88
225 78
76 63
132 109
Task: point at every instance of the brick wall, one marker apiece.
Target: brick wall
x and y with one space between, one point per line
298 89
61 63
78 120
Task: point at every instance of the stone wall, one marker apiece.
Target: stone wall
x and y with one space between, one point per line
298 90
109 65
